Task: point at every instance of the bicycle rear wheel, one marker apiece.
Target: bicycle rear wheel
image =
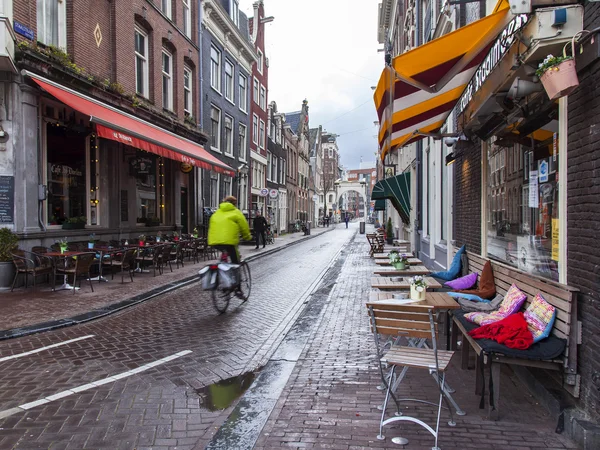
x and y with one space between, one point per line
245 281
221 298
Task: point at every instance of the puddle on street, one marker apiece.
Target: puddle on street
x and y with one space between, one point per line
221 395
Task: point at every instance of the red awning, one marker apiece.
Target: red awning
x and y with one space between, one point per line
127 129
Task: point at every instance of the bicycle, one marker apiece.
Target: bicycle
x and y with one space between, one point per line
270 238
238 283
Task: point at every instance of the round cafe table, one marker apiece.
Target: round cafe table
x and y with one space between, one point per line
63 255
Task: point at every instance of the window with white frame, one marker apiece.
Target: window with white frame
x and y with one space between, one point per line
52 22
255 92
269 163
187 91
262 134
215 128
214 190
242 143
235 12
263 98
226 186
228 147
141 63
167 80
215 68
255 129
228 81
187 18
243 92
274 170
165 5
259 64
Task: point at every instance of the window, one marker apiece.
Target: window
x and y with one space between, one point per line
331 153
228 81
235 12
187 91
274 170
141 63
215 128
259 64
228 147
167 80
215 69
187 18
243 82
166 8
226 187
262 134
242 143
255 91
51 22
214 190
255 129
263 98
269 165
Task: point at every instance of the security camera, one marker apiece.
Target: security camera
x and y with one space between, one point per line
450 141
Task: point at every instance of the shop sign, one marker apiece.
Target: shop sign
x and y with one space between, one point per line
534 199
141 166
495 55
273 193
59 169
7 199
186 167
23 30
543 171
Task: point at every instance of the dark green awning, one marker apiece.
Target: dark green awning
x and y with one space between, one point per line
379 205
397 190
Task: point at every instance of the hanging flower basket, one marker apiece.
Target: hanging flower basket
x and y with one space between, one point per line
558 74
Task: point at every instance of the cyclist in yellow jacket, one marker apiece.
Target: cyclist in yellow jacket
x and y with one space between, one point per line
225 227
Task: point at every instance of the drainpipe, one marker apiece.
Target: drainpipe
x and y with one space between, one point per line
200 77
419 214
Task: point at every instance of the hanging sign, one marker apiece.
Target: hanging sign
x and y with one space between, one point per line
141 166
273 193
543 171
264 192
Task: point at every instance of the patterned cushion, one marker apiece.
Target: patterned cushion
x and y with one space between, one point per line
513 300
465 282
540 316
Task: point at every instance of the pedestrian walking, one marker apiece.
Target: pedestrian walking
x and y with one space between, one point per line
260 226
346 219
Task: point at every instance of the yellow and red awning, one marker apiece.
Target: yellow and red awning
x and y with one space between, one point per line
426 82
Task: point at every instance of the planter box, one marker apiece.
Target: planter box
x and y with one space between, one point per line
73 226
560 80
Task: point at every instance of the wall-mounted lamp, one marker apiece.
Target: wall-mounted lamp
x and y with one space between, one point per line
242 171
450 158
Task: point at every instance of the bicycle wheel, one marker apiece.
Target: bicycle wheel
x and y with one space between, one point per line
221 298
245 281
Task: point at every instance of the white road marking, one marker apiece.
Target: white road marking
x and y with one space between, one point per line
85 387
20 355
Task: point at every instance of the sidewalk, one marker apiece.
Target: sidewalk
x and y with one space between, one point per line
330 400
26 311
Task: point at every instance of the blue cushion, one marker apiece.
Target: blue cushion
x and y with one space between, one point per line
472 297
454 269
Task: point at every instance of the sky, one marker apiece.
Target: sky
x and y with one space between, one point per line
325 51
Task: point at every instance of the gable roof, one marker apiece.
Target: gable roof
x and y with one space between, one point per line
293 119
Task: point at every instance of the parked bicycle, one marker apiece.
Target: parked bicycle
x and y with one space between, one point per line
226 280
270 237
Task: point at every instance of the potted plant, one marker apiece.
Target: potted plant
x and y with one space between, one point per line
158 236
175 236
418 287
389 232
8 244
195 232
74 223
558 75
92 240
399 261
142 240
63 244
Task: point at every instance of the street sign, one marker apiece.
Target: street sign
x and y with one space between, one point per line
315 198
264 192
273 193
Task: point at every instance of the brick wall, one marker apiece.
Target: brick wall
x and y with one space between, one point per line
467 196
583 246
263 79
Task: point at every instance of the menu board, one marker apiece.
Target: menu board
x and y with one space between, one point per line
7 199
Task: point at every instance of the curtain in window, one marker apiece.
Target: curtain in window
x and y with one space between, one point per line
47 22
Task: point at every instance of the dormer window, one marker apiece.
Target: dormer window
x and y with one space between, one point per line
234 12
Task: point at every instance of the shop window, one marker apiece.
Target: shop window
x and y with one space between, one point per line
522 226
144 168
52 22
67 174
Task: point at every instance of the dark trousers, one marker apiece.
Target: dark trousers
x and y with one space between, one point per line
260 233
231 251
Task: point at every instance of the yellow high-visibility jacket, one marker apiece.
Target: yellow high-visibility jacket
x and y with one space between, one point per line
226 225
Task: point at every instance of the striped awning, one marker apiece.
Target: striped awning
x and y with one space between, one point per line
397 190
379 205
426 82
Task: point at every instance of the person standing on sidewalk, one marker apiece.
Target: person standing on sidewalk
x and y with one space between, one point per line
346 219
260 226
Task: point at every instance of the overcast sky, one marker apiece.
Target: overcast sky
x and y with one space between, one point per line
325 51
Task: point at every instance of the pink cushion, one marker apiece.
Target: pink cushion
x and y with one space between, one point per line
513 300
466 282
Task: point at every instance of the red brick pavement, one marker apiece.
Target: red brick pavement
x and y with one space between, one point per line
330 400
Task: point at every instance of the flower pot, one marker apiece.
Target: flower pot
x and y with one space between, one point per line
415 294
401 265
7 274
560 80
141 243
63 248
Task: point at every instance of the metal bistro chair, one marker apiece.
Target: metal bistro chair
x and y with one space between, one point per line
79 266
30 264
416 322
123 259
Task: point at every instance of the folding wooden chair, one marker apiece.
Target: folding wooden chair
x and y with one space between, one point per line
415 323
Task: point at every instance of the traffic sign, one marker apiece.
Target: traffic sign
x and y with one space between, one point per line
264 192
273 193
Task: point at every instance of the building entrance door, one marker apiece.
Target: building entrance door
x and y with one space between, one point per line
184 210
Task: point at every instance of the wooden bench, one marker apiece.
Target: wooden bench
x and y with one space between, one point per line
566 326
376 242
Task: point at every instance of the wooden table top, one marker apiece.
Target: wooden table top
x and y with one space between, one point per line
437 300
385 261
400 283
409 271
67 253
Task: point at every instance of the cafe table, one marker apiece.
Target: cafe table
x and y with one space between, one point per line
63 256
408 271
401 283
385 260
